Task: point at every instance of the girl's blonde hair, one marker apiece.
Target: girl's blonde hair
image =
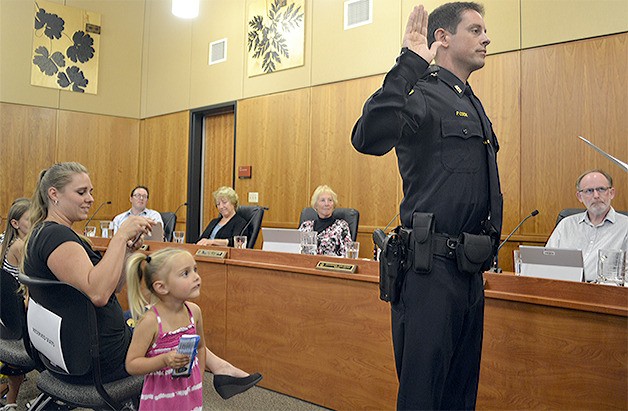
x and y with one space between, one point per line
17 210
150 269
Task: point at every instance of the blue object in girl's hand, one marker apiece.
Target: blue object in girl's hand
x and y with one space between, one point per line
187 346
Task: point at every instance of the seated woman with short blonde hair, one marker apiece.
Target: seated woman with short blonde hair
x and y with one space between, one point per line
333 235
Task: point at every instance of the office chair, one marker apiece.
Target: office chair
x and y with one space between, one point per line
566 212
14 342
350 215
170 222
76 335
253 216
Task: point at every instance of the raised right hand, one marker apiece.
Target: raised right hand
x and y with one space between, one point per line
415 37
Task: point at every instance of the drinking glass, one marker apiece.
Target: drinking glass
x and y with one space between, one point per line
90 231
308 242
353 249
611 267
239 241
516 259
178 236
104 229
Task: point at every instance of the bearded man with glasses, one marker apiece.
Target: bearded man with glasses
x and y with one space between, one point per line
600 227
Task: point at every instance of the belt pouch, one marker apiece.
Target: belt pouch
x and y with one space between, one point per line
421 244
473 251
390 269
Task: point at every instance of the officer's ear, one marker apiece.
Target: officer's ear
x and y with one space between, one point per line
442 35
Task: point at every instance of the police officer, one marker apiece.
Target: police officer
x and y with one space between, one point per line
446 148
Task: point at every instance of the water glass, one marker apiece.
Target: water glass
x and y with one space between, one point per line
105 229
611 267
90 231
516 259
178 236
308 242
353 249
239 241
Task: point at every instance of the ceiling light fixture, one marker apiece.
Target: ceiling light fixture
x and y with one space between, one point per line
185 9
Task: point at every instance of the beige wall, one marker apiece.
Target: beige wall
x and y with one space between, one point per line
153 63
119 78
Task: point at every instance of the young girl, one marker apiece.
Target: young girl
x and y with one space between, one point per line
170 275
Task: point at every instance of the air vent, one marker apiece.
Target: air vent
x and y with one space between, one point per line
358 13
217 51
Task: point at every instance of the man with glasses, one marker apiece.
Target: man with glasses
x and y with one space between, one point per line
139 200
598 228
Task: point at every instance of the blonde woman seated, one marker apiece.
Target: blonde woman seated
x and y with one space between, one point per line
220 230
333 235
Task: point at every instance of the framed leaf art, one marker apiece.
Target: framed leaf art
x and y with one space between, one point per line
66 44
276 35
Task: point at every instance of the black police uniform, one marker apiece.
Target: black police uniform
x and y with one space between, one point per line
446 149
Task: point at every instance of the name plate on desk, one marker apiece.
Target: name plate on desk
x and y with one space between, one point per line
201 252
338 267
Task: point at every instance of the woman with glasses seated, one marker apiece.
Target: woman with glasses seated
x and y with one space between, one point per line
220 230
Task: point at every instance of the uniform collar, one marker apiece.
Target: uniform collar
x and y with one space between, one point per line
450 79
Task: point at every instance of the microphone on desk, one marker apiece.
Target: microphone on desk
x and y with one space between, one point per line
173 216
251 219
95 212
379 236
495 268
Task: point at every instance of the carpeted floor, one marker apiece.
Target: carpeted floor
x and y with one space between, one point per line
254 399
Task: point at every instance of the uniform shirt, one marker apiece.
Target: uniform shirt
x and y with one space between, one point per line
438 135
577 232
120 218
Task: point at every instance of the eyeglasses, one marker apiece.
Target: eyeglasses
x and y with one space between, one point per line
590 191
140 196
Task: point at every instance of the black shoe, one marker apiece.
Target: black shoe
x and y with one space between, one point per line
228 386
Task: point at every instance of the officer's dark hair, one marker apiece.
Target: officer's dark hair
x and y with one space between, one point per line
144 187
596 170
448 16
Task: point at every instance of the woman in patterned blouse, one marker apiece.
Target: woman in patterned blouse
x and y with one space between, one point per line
333 234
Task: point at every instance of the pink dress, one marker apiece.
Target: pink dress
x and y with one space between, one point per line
161 391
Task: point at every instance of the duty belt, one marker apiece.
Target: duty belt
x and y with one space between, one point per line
444 245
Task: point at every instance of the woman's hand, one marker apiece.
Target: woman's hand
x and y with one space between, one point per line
133 230
218 242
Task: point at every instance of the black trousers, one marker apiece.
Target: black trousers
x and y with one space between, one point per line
437 336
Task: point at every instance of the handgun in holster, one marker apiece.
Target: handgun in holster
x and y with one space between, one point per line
391 264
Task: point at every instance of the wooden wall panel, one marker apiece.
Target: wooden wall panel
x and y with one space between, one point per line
568 90
369 184
273 137
27 144
218 161
498 87
163 162
108 147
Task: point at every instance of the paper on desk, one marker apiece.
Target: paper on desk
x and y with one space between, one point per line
617 161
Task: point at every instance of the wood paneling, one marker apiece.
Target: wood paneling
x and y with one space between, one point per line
569 90
163 162
28 143
273 136
218 160
108 147
369 184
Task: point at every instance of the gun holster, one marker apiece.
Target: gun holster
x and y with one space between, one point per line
391 265
474 253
